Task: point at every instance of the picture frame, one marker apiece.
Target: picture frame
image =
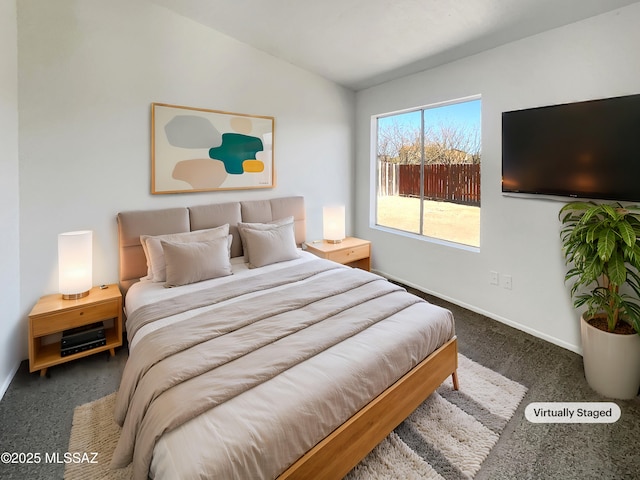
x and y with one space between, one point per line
201 150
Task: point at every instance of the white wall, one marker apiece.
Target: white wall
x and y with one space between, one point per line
591 59
88 72
13 331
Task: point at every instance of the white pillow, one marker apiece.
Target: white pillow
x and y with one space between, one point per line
193 262
243 227
272 245
155 254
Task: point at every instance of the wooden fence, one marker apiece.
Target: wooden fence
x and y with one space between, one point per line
457 183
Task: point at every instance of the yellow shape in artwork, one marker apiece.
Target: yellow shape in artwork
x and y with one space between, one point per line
253 166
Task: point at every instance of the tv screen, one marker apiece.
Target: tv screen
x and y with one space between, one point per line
586 149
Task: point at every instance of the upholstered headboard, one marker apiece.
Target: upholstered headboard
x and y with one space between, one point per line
134 223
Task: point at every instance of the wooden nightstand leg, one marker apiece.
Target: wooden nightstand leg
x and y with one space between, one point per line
112 351
454 377
43 372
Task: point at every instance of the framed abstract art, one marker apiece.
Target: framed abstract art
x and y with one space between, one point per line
196 150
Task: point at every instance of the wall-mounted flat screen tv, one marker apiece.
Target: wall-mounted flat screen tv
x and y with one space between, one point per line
587 149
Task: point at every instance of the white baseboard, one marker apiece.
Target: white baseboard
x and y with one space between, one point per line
7 381
532 331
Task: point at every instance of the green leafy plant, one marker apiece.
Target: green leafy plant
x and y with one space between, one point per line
601 245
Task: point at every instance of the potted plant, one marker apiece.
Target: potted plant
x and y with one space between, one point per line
601 245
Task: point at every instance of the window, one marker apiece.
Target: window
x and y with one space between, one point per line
428 171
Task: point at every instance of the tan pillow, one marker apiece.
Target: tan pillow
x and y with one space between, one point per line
193 262
269 246
243 227
155 254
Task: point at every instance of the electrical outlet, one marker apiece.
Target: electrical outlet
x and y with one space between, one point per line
493 278
507 282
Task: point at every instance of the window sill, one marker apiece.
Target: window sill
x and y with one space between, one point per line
424 238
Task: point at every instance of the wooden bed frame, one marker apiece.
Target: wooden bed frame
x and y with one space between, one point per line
343 449
346 446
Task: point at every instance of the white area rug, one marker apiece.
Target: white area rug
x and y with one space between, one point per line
447 437
451 433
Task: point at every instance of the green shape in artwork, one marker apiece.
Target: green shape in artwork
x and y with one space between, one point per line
235 149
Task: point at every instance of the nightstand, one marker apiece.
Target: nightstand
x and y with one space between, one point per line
52 315
353 252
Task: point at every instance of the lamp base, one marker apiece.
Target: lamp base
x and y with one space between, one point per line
74 296
333 241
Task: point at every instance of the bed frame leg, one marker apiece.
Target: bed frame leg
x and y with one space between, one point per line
454 377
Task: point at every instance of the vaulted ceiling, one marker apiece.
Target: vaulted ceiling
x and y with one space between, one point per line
361 43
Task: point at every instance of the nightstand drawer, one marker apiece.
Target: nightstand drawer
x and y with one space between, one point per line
349 255
76 317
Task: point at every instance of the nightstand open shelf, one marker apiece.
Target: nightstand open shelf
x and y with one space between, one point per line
52 314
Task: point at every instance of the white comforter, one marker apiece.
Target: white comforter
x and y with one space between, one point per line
260 432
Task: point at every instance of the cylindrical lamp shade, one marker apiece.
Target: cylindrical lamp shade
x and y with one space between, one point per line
333 223
75 261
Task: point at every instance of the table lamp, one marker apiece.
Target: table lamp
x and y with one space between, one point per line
75 264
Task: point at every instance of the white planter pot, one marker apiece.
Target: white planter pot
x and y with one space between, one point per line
611 361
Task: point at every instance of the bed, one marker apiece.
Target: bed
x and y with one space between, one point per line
265 362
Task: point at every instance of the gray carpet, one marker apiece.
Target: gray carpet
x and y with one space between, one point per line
36 413
552 374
